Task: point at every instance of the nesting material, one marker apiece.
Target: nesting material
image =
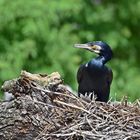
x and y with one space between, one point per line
44 109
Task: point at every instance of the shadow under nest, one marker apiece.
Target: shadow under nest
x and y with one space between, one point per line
44 109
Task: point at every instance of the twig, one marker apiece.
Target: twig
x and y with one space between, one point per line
72 105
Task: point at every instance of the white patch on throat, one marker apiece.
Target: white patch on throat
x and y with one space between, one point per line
86 65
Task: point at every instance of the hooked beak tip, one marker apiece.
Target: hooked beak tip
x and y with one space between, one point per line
77 45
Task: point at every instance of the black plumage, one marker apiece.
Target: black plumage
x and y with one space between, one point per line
94 77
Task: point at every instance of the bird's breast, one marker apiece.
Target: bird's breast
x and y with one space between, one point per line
94 78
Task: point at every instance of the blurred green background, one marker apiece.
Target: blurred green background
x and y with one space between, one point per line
38 36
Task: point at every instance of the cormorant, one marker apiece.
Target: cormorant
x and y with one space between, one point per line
94 78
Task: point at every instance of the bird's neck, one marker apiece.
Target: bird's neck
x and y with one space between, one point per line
102 59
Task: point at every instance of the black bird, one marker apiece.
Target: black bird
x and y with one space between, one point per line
94 78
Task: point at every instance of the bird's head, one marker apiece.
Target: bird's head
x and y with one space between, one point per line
99 47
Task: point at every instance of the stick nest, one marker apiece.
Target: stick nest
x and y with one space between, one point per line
44 109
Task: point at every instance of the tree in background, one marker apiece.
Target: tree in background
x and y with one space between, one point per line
38 36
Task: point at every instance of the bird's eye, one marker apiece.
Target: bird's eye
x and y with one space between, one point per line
96 47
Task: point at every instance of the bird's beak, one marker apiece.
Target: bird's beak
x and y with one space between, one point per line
83 46
94 48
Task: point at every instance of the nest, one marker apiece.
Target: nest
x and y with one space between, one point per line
44 109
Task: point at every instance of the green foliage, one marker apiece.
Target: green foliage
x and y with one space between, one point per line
39 36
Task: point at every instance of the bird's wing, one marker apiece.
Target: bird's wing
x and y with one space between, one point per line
109 76
80 73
